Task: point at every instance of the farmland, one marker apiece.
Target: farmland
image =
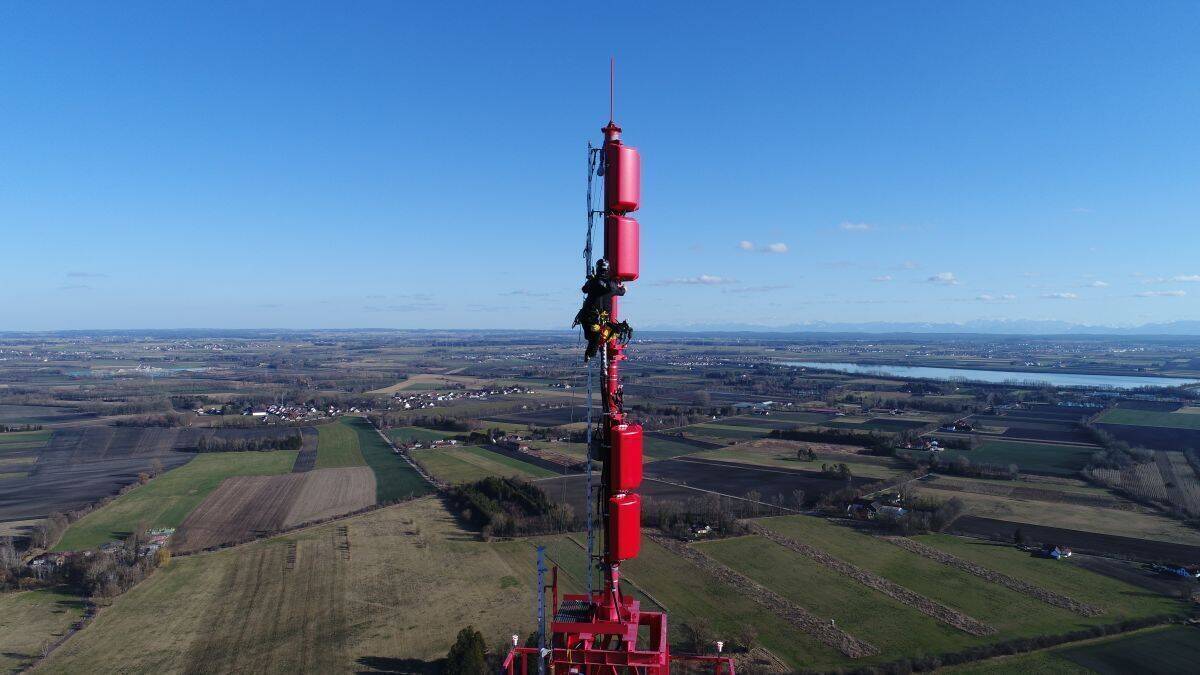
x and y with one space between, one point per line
31 619
394 478
247 506
250 609
1131 521
337 445
1047 458
368 591
463 465
416 434
1014 614
897 629
168 499
1151 418
1165 650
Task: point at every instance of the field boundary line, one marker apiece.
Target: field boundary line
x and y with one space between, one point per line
932 608
794 614
404 455
1047 596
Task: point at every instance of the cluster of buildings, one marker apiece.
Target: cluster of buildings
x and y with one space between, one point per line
417 401
155 540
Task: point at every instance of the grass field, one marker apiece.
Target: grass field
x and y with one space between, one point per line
1151 418
463 465
1161 650
168 499
394 477
29 619
714 430
23 440
661 448
1120 600
1013 613
416 434
691 593
412 581
897 629
868 467
1141 523
337 446
1065 460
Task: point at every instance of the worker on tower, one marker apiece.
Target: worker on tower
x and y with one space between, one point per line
596 314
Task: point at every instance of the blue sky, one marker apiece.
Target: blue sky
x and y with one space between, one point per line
422 165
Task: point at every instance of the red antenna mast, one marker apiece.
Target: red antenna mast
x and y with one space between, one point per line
606 632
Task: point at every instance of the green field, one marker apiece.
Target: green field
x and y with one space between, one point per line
1151 418
394 478
23 440
897 629
868 467
417 434
1065 460
29 619
714 430
660 448
691 593
799 417
168 499
467 464
1163 650
338 445
1120 600
1014 614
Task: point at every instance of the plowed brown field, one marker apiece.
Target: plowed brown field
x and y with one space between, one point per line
244 507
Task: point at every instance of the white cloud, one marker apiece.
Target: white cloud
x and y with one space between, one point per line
778 247
1188 278
1060 296
910 265
885 277
856 227
702 280
766 288
988 297
1081 209
1161 294
1098 284
944 278
87 275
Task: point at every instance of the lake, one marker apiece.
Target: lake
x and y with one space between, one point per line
1000 376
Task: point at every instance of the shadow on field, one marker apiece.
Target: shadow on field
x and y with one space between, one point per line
386 664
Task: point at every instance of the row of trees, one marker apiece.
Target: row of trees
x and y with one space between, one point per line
7 428
878 443
1114 454
215 444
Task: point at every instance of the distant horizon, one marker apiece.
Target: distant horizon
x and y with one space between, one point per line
1015 328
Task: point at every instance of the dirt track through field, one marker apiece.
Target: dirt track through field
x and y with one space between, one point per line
796 615
946 615
1023 587
244 507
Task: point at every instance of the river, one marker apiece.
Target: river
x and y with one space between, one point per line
1000 376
